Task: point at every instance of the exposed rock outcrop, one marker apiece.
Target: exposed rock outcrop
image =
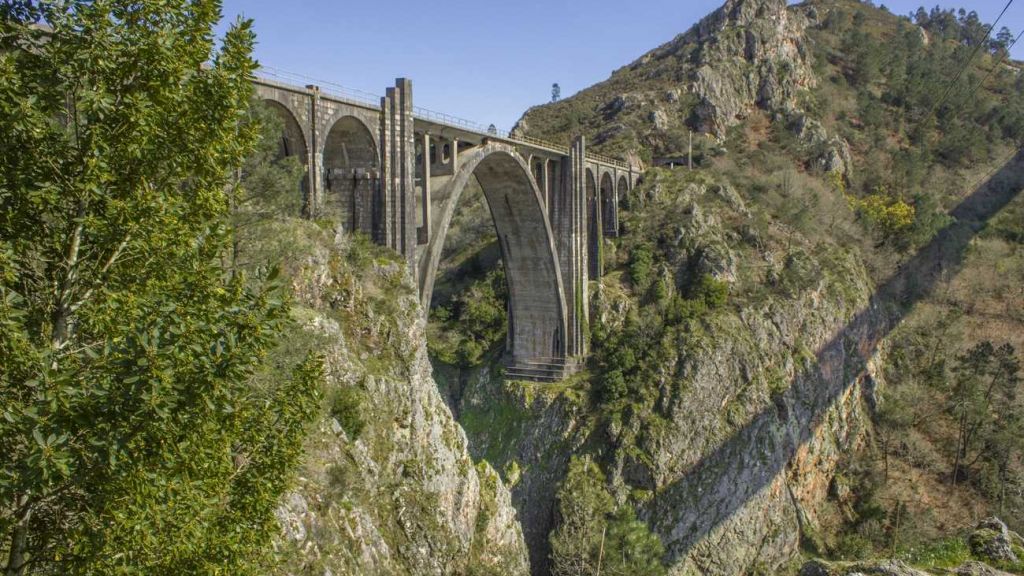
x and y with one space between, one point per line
752 413
751 53
991 539
387 486
880 568
975 568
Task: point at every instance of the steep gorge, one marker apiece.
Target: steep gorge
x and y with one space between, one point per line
744 432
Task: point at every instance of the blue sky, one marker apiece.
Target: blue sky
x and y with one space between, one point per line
485 60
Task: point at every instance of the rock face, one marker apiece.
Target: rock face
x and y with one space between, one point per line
747 57
752 414
523 428
387 486
755 436
974 568
751 53
993 540
881 568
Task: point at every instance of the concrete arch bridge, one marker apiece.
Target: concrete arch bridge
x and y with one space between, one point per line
396 173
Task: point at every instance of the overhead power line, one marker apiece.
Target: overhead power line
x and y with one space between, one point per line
996 65
967 63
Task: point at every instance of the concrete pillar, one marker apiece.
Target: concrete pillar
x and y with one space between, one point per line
455 155
423 233
546 189
316 155
568 213
398 181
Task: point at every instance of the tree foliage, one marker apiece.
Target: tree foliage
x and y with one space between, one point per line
474 324
265 189
889 215
983 401
594 535
136 437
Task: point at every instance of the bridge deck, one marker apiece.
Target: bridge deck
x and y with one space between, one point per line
365 100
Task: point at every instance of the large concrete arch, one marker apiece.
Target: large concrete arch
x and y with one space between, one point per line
537 299
351 164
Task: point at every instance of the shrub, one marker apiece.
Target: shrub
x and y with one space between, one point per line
641 266
347 408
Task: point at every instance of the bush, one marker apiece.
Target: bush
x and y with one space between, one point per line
641 266
475 323
347 408
593 532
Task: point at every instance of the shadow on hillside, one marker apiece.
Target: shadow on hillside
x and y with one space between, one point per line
722 482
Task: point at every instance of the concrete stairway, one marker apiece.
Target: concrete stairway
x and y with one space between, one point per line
540 369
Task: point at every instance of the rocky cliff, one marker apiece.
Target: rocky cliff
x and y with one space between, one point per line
386 486
730 450
747 56
747 433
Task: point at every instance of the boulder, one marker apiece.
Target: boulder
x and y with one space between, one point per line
975 568
872 568
991 540
659 119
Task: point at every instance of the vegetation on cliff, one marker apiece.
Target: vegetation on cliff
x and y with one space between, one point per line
140 429
852 152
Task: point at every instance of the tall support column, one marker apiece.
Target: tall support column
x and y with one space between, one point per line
568 211
546 186
423 233
398 226
314 202
611 219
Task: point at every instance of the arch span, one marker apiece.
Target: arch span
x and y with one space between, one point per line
292 142
537 303
609 223
350 164
593 228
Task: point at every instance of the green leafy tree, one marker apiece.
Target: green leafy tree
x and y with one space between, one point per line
594 536
475 325
1004 38
139 430
983 401
265 189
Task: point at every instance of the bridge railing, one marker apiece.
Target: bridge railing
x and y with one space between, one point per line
456 122
329 89
542 143
608 160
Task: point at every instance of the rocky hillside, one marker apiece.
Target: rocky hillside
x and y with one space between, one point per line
747 55
386 485
783 339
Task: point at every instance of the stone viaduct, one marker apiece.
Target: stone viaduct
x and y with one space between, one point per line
395 173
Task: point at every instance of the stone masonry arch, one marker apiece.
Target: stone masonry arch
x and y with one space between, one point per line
537 300
593 227
293 140
609 224
351 164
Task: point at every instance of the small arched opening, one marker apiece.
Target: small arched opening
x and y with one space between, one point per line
292 143
350 164
594 240
609 207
